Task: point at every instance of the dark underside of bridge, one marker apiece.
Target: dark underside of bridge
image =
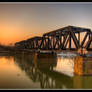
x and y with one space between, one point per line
67 38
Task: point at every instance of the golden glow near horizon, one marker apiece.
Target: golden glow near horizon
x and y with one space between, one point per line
12 76
20 22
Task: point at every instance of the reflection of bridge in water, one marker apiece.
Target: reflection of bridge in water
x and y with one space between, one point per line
40 69
70 37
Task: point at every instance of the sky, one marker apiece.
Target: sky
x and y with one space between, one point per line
22 21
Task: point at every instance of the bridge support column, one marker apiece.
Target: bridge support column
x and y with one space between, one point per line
81 67
78 66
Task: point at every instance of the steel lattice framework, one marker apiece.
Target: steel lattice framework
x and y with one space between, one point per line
60 39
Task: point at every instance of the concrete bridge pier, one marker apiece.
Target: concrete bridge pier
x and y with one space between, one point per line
78 65
82 66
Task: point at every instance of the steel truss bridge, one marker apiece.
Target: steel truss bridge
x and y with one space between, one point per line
67 38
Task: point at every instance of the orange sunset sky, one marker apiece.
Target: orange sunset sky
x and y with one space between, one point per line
22 21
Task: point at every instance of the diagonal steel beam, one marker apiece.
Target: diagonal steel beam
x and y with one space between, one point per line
88 43
82 43
67 40
57 40
74 38
62 45
40 46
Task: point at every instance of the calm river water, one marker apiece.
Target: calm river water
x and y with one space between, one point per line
42 72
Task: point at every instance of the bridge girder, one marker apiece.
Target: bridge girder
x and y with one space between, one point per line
59 39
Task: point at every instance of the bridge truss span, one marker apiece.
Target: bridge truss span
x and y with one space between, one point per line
67 38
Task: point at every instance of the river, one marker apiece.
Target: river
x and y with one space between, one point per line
29 71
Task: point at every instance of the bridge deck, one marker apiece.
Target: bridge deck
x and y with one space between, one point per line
61 39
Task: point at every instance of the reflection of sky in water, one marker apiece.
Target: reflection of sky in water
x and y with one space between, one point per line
20 72
11 76
65 66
